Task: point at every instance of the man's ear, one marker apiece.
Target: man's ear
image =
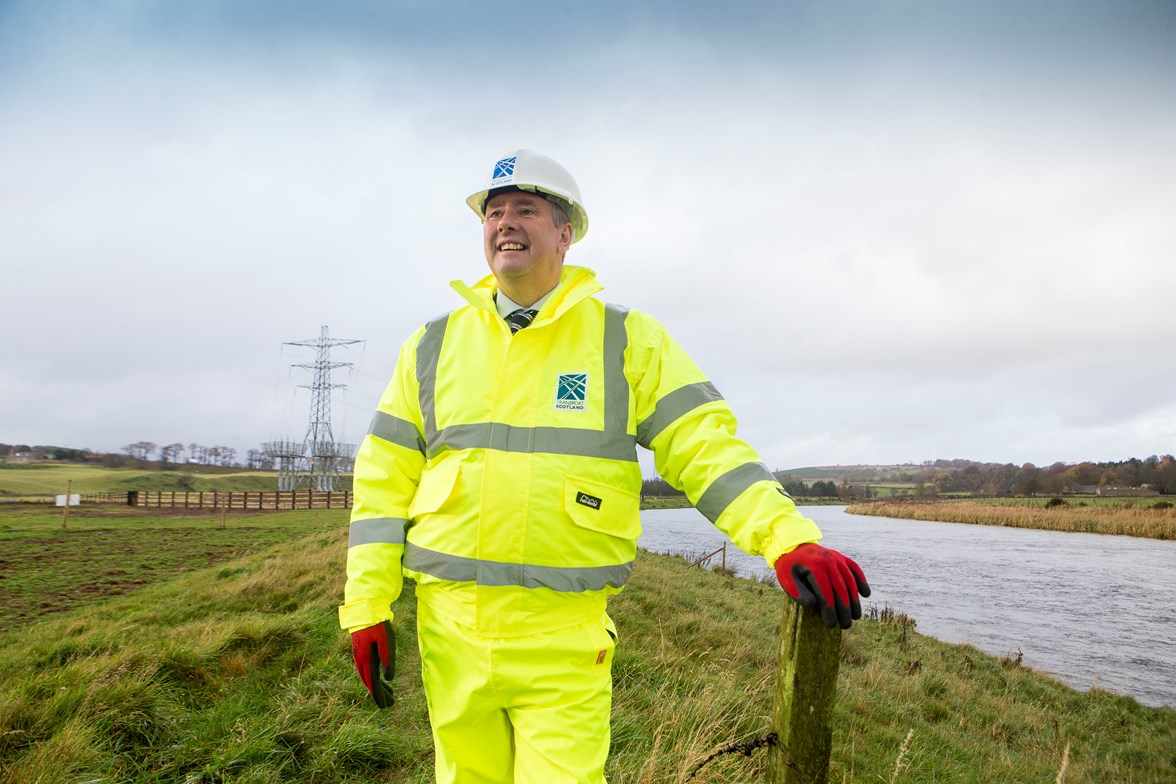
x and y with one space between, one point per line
566 234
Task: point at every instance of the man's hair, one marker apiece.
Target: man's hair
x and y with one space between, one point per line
559 213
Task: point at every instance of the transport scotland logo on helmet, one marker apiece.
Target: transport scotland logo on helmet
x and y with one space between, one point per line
504 168
571 392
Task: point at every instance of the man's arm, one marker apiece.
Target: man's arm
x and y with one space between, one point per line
387 471
691 430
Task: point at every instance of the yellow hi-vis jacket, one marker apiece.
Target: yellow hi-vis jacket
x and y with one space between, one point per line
500 472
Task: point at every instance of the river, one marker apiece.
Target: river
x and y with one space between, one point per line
1092 610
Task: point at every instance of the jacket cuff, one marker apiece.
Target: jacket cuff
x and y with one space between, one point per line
776 545
362 613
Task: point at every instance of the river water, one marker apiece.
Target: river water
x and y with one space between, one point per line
1093 610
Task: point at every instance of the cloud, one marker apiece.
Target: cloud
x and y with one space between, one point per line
926 232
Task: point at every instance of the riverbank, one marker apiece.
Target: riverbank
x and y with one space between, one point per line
1153 521
682 502
238 672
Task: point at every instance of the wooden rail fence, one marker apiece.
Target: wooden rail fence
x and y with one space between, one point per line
230 500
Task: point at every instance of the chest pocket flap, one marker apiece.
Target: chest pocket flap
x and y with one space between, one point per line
602 508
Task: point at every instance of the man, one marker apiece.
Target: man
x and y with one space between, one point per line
501 474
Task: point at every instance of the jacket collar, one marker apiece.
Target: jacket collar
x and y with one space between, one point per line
575 285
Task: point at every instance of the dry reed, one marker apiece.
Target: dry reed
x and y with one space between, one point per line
1065 765
1126 520
900 764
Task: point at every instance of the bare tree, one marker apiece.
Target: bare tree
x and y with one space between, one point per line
141 450
168 455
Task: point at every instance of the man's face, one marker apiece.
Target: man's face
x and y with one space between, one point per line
523 244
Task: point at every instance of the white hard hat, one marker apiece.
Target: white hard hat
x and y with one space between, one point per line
531 171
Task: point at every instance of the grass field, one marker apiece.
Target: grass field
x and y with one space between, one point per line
1141 516
107 551
53 478
236 671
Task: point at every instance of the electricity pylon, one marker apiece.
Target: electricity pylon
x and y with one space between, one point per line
323 455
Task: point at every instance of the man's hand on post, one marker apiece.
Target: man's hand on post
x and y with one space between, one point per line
374 649
825 580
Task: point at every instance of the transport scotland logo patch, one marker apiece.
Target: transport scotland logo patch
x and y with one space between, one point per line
504 168
571 392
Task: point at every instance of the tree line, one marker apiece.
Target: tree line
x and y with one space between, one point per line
172 455
1156 473
145 454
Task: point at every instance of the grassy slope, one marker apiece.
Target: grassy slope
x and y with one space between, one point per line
237 672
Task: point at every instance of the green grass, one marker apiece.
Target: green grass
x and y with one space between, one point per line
887 489
53 478
106 551
665 502
237 672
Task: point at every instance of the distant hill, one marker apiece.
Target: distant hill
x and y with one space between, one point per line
851 474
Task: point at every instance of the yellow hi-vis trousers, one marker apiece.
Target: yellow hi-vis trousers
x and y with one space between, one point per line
519 709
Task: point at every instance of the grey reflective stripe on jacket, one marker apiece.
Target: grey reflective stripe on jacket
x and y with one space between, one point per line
724 490
670 408
612 442
397 431
566 579
377 530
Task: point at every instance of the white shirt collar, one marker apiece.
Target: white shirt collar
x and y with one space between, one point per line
506 305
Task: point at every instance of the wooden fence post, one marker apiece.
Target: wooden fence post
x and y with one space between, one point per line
65 509
806 688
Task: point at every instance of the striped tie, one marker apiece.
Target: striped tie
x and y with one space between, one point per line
520 318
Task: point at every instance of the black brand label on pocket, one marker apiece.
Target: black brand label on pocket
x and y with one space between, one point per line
588 500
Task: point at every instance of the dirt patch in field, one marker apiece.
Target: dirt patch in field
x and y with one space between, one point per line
44 572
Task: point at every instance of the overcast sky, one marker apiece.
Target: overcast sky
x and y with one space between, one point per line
889 231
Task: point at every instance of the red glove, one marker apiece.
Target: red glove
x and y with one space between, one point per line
374 649
824 579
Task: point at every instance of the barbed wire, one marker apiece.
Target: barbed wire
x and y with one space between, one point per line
746 748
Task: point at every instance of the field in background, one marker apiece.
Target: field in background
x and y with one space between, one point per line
52 478
236 670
